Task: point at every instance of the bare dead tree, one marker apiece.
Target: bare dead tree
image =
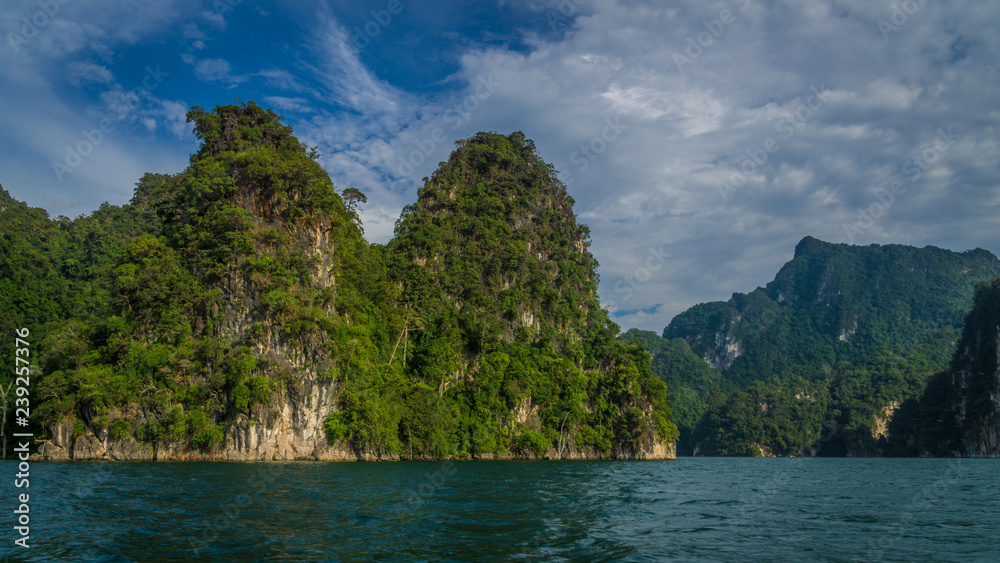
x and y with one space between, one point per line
562 438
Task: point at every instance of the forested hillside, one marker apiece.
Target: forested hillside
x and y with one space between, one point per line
235 311
819 360
958 413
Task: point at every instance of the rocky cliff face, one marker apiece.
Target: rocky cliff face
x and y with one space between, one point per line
260 325
835 302
860 329
289 427
256 231
974 400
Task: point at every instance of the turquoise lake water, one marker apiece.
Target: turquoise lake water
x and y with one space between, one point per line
693 509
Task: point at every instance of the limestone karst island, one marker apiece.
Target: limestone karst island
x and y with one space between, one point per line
235 311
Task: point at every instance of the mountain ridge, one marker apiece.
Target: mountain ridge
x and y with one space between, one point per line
857 329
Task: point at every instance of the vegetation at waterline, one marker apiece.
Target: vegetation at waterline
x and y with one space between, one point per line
817 362
958 413
188 314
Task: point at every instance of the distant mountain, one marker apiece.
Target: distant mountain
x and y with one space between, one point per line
818 360
690 381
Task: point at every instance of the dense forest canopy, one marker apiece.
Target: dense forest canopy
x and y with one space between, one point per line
241 292
189 316
819 360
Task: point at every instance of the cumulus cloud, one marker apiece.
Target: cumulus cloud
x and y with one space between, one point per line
288 104
652 112
213 70
747 76
711 135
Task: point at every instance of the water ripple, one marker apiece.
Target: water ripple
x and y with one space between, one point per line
688 510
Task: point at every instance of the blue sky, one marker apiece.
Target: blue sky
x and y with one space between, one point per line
701 140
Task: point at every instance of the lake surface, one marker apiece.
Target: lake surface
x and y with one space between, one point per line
693 509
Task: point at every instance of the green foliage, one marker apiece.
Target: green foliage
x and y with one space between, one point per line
475 331
859 330
499 286
367 421
836 303
532 441
121 429
957 415
78 428
208 437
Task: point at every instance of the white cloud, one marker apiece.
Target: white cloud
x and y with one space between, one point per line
283 80
652 179
81 72
289 104
347 81
214 70
685 131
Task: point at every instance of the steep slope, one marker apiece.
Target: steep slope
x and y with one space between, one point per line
218 342
975 372
959 412
234 311
48 267
690 381
818 361
502 289
835 302
32 288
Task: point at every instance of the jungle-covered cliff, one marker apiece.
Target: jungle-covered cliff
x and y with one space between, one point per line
819 360
235 311
958 414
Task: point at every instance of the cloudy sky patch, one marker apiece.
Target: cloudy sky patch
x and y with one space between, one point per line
701 140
